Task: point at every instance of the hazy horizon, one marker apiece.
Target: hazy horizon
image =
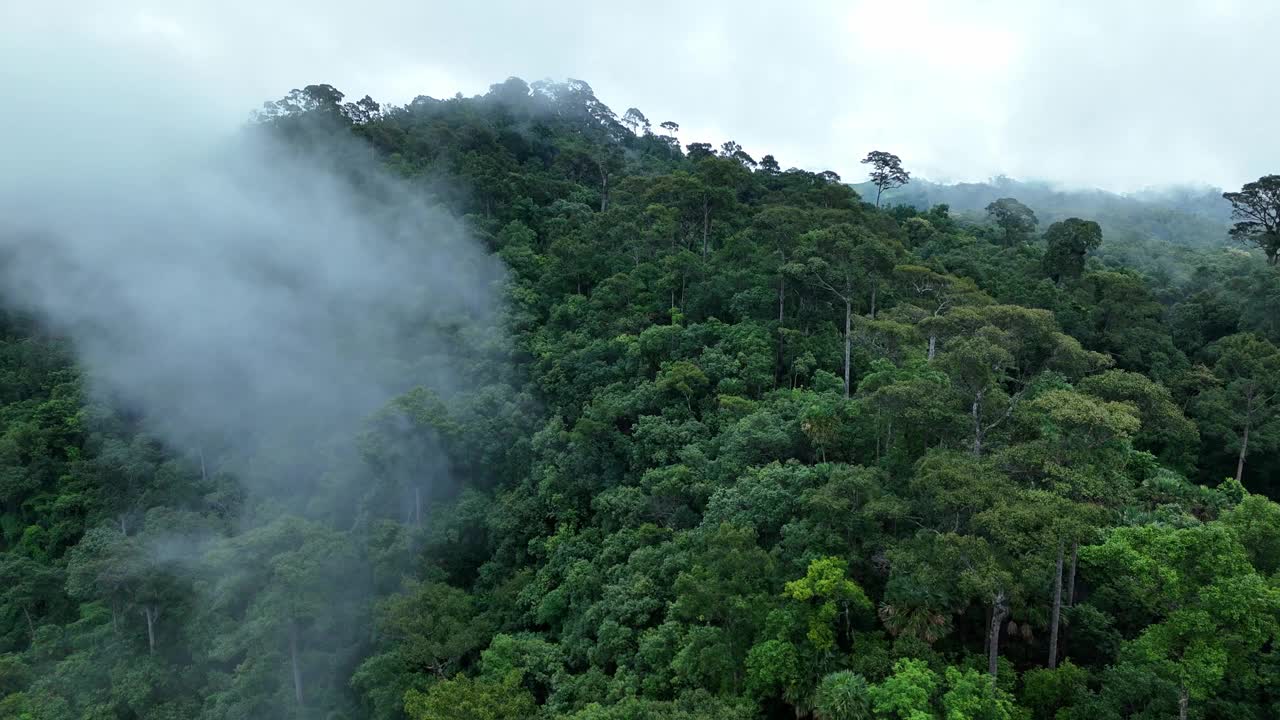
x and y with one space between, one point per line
1122 99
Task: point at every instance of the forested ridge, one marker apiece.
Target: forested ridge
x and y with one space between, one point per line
740 444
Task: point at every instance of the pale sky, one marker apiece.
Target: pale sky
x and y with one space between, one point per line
1118 94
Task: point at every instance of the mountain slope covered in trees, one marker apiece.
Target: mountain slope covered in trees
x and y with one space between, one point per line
742 445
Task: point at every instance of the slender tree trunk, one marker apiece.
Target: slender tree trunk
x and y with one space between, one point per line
986 639
933 346
706 224
1244 449
874 288
417 506
31 625
1184 699
782 299
150 614
1071 580
848 312
998 613
879 189
204 474
1070 594
976 411
1057 610
293 660
781 371
877 446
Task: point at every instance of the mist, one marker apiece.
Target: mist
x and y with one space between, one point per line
249 296
245 289
1170 93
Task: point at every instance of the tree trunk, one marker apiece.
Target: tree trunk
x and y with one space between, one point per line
1057 610
706 223
1071 581
1071 589
1184 699
31 625
293 659
848 312
874 287
879 189
998 613
204 475
1244 448
782 299
976 411
150 613
417 506
604 190
933 346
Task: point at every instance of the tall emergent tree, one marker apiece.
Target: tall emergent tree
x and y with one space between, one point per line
886 171
1242 409
1256 208
1069 241
846 261
1015 219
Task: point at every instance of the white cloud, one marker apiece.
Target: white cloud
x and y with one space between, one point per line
1116 94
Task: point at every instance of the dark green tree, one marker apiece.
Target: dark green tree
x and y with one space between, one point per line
1015 220
886 171
1256 210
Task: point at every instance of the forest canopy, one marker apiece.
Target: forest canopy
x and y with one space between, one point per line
731 441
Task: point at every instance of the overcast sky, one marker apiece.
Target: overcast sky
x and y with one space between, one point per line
1119 94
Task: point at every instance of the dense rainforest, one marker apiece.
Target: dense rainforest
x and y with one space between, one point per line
742 442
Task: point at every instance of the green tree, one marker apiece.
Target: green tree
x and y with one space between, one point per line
846 261
1256 210
827 596
1213 611
1068 242
843 695
463 698
907 694
886 171
1015 220
1242 409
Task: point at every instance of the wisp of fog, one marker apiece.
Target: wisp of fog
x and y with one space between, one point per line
250 291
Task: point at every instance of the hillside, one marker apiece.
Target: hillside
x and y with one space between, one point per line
1189 217
540 410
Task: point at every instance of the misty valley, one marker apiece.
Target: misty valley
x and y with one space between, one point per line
515 407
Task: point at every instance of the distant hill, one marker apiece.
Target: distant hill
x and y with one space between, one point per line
1187 216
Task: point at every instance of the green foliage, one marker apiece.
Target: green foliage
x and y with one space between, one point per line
462 698
1068 242
844 696
1015 220
1256 208
907 694
826 593
741 445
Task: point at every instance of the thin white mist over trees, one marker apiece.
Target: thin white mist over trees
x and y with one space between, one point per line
254 291
279 324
